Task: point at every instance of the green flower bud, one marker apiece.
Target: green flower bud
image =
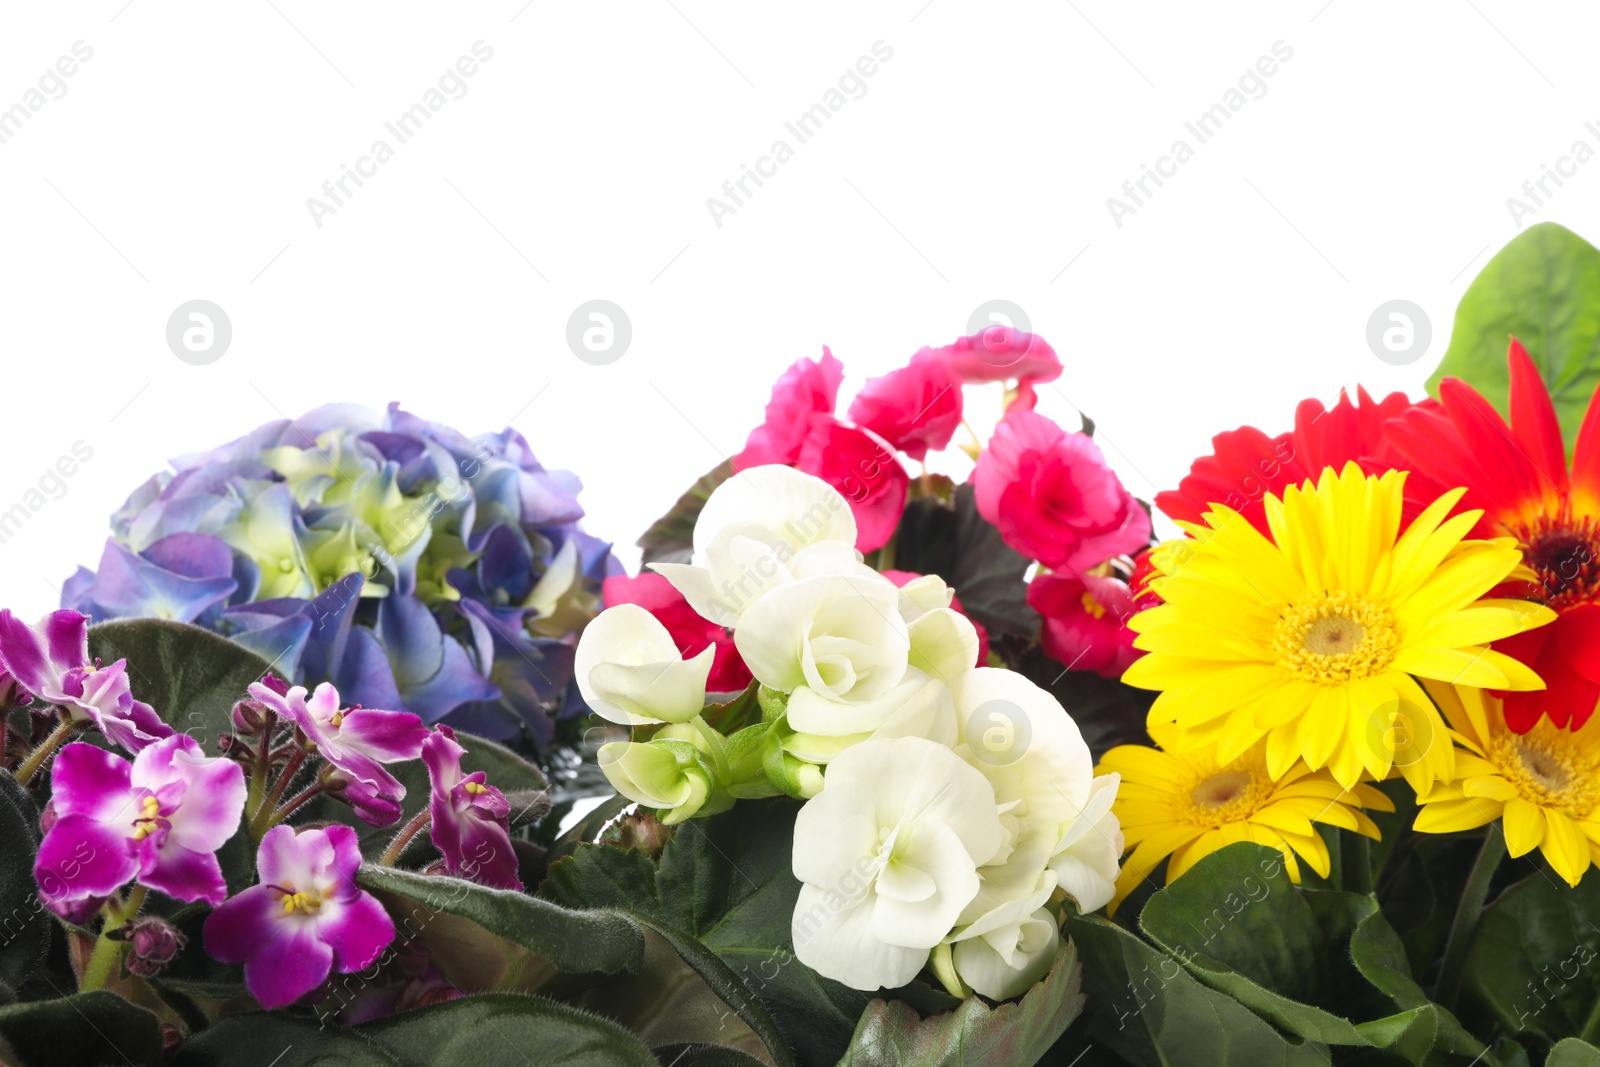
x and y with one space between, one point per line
787 772
668 775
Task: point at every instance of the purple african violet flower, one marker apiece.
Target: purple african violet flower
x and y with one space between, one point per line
51 661
356 741
305 919
159 820
469 817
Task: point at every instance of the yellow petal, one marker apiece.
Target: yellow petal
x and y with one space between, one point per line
1524 826
1565 847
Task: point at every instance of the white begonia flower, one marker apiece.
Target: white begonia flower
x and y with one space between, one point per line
944 643
922 594
888 856
762 528
919 706
840 636
1005 962
1030 750
1088 857
629 669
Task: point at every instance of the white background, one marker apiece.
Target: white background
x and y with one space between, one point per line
578 164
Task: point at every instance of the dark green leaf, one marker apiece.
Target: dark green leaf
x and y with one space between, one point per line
668 1002
725 884
974 1034
192 677
86 1028
734 713
1324 966
670 538
1238 922
257 1039
953 541
1531 961
701 1055
573 939
506 1030
25 926
1544 289
1149 1010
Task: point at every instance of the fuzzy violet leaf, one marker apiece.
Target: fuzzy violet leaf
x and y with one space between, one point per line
502 1028
26 926
97 1027
189 675
584 938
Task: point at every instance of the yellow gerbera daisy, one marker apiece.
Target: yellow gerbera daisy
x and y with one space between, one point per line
1310 639
1186 805
1543 786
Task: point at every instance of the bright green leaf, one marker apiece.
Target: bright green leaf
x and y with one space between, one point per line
1543 288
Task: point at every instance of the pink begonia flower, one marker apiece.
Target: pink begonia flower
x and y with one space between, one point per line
915 409
158 820
305 919
801 431
999 354
356 741
469 817
1052 497
51 661
690 630
1085 621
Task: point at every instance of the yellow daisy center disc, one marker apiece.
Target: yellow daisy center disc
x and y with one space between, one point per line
1548 769
1227 796
1334 638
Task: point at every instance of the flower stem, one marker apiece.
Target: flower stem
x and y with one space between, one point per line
1356 867
391 855
1468 912
106 960
30 766
296 759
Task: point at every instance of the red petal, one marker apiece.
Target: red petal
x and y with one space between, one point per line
1577 633
1586 460
1533 420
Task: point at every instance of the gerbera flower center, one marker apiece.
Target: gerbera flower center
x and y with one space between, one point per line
1548 768
1224 796
1565 553
1335 637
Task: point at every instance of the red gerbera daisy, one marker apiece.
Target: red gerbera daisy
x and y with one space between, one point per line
1246 464
1517 474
